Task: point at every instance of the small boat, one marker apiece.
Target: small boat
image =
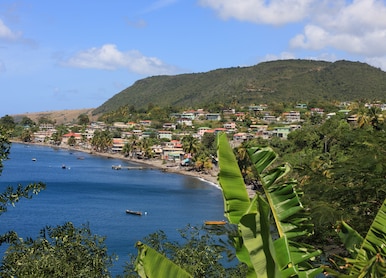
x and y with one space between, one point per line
34 159
64 166
134 212
215 222
116 167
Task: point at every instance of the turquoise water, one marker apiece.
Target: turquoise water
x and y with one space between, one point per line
89 191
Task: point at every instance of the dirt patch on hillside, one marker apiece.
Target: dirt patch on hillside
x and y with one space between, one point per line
60 116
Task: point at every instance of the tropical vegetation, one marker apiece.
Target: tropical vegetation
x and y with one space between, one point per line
275 252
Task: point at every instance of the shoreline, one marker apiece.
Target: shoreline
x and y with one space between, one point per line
151 163
211 178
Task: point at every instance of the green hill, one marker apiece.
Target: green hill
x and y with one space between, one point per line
275 81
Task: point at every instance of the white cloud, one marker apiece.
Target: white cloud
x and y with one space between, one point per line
108 57
378 62
353 26
357 28
274 12
7 34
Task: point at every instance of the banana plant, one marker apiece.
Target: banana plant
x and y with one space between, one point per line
369 253
255 245
265 256
150 263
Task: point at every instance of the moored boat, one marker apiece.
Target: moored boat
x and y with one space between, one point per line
215 222
134 212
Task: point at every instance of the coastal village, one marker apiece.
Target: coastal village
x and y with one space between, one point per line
255 121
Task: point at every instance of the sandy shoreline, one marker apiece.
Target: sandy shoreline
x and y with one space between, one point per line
151 163
210 177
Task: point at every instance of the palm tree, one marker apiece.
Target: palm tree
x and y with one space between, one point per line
190 144
102 141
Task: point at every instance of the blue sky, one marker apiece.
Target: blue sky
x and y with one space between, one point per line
72 54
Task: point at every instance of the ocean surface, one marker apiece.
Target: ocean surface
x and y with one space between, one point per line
89 192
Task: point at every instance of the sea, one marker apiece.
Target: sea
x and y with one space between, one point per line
84 189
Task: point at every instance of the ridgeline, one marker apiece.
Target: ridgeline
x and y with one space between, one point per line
275 81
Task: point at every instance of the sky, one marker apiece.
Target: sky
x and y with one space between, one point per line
74 54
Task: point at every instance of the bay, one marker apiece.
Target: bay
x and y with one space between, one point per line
89 192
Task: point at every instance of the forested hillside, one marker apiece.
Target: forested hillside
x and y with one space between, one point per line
275 81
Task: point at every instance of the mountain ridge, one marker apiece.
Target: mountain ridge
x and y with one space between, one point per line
280 81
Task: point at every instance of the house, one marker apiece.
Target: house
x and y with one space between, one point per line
241 136
240 116
219 129
145 123
185 122
43 135
172 154
169 126
77 136
137 133
317 110
281 132
165 134
257 108
120 125
229 125
230 111
269 119
173 144
202 130
188 115
301 106
213 117
292 116
118 144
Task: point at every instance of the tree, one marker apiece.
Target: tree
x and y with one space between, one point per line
368 253
71 141
102 140
8 122
26 135
62 251
27 122
83 119
190 144
45 120
201 252
208 143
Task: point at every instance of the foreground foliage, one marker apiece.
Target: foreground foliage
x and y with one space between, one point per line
256 246
368 255
265 255
201 252
62 251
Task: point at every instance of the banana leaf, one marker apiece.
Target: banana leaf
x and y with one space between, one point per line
351 239
237 204
150 263
290 217
371 258
236 199
256 234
